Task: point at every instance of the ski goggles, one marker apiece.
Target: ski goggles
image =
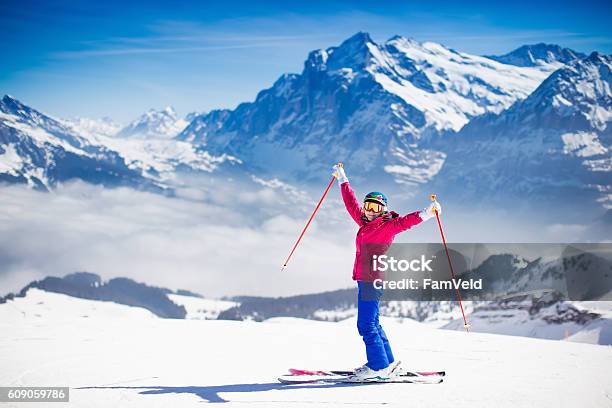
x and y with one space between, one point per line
372 206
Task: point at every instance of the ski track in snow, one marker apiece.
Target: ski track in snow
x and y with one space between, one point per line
115 355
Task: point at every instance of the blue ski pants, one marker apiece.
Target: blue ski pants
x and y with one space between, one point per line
378 349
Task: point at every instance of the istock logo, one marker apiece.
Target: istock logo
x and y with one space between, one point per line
383 263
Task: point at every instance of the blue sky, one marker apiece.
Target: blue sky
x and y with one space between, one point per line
118 59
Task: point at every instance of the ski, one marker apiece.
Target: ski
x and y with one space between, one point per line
319 379
299 376
297 371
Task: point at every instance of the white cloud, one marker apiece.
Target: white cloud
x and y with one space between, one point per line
162 241
222 238
566 229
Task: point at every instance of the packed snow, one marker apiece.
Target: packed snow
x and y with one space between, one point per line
201 308
112 355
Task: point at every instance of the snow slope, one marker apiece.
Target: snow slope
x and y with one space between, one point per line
139 360
201 308
39 304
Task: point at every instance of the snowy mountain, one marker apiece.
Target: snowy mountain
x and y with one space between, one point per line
554 145
192 115
162 159
538 54
575 274
155 124
202 125
41 151
366 103
391 111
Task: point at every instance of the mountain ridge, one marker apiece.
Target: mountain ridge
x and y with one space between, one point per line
536 54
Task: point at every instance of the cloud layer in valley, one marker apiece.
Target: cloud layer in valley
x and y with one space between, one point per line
227 243
173 242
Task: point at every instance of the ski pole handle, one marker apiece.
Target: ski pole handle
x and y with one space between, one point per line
340 165
433 198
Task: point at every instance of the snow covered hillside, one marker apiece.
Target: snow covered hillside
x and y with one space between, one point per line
553 146
162 302
201 308
113 355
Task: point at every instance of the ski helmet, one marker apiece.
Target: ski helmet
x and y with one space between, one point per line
376 197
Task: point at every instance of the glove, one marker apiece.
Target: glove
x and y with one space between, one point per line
339 173
428 212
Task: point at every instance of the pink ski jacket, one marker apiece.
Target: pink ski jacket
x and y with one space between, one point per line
374 237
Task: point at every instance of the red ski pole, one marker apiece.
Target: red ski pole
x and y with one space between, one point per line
309 220
450 264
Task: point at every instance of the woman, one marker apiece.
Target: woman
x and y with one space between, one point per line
377 229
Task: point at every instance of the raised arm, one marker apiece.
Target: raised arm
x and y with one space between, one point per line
350 202
404 222
348 195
